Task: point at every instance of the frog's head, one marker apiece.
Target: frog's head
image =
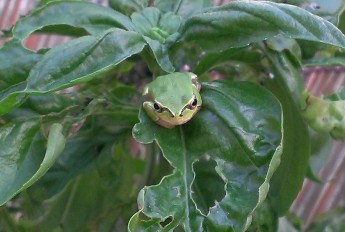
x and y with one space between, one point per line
173 99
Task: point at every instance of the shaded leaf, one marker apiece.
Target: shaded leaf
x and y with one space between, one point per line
211 60
24 156
16 62
12 97
128 6
240 23
239 128
325 61
161 54
93 18
51 107
82 59
102 187
296 145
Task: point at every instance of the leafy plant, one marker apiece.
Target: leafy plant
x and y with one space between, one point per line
68 115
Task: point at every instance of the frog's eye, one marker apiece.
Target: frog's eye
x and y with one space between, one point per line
193 103
157 107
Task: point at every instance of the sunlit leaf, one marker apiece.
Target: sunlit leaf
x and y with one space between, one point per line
82 59
58 15
240 23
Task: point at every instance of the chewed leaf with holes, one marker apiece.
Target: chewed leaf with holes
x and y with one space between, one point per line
231 146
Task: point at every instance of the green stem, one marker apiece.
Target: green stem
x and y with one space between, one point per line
7 220
70 201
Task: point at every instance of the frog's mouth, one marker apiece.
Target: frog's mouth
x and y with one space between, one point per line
176 119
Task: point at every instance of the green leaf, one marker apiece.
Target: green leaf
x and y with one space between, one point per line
236 55
161 54
240 132
104 188
325 61
12 97
23 156
341 25
185 8
128 6
329 10
16 62
51 106
240 23
296 145
93 18
159 30
82 59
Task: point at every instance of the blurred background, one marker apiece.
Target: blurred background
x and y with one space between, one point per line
318 198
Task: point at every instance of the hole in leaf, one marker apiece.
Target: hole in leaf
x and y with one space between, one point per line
208 186
166 221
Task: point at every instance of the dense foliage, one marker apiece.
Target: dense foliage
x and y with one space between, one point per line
68 161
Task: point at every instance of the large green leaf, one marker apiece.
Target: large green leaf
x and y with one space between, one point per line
185 8
240 23
128 6
25 155
15 65
103 188
236 55
238 128
288 179
82 59
93 18
329 10
325 61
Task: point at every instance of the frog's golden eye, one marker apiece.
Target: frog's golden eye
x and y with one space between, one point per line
157 107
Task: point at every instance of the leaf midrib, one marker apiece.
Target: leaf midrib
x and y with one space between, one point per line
185 180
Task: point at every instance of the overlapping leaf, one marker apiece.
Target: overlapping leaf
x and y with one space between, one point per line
240 23
23 156
56 16
159 30
82 59
16 62
287 184
241 132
